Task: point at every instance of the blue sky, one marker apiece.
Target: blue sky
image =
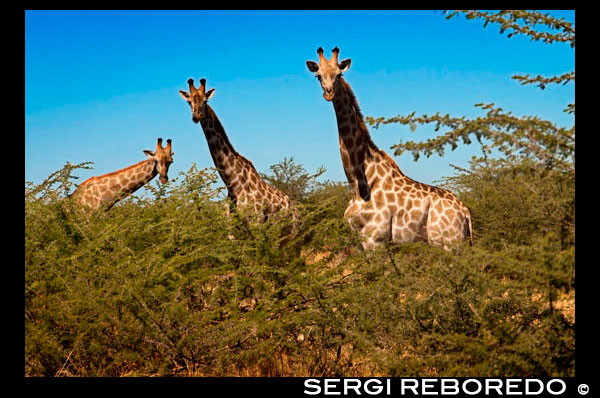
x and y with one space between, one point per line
102 86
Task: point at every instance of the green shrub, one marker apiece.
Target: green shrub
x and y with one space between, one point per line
169 284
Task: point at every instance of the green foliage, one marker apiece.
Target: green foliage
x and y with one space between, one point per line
516 202
293 179
543 81
173 285
516 138
534 24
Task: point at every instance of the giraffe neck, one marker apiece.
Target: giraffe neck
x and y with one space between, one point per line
356 146
109 188
139 175
237 172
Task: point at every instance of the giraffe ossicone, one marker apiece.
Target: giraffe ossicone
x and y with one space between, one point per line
244 184
106 190
386 205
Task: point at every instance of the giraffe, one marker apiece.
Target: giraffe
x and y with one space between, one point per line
107 189
386 205
245 187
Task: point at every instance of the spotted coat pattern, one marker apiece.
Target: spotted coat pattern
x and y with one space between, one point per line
106 190
244 184
386 205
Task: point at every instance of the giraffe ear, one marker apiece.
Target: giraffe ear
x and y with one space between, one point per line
312 66
184 95
149 153
210 93
345 64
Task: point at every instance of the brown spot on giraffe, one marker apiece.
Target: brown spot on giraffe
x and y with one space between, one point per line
388 186
378 199
244 185
365 164
106 190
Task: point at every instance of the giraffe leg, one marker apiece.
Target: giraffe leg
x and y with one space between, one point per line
228 206
434 231
398 230
377 235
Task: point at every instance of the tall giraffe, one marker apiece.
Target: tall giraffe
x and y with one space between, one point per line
107 189
245 186
386 205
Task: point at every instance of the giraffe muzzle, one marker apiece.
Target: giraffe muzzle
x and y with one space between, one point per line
328 95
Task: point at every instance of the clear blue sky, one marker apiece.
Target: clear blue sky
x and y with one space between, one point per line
101 86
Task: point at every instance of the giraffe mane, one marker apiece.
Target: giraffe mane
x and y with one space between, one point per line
235 153
363 127
113 172
360 119
219 126
249 162
392 162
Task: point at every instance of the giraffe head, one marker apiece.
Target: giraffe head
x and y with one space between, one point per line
197 98
329 72
163 157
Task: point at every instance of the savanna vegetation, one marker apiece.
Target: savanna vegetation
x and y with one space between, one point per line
167 283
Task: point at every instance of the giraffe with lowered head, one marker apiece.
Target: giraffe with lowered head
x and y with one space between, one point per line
107 189
245 186
386 205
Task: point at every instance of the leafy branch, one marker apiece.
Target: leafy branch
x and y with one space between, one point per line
60 178
522 22
543 81
516 137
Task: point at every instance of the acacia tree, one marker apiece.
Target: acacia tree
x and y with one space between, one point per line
538 152
293 179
